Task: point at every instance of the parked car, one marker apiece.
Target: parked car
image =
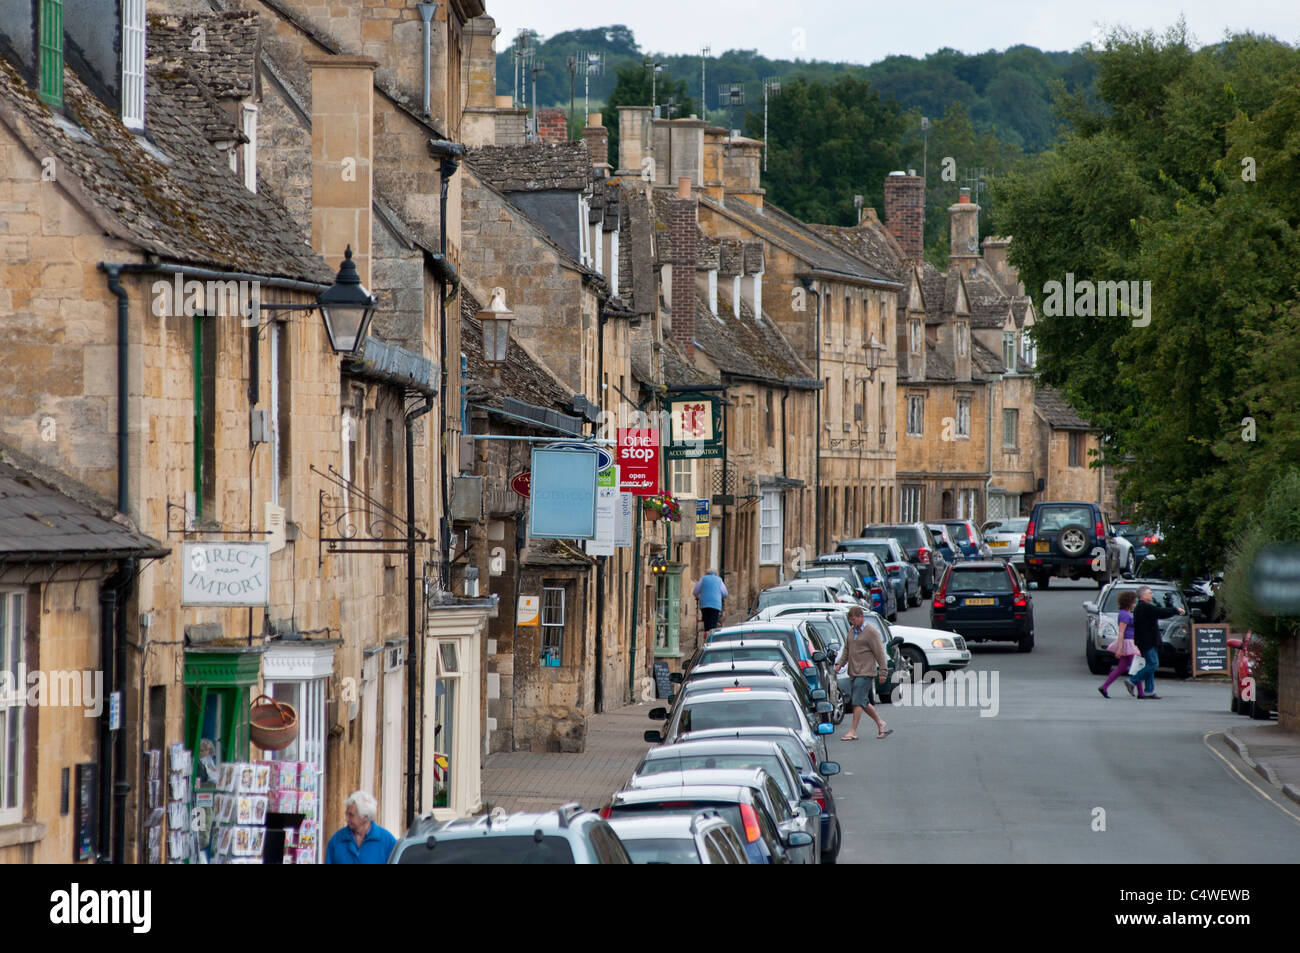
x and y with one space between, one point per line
868 577
986 601
815 669
703 838
736 753
968 538
815 774
1142 538
1101 626
807 590
902 574
1251 695
921 548
1070 540
759 675
567 835
947 545
741 707
786 611
758 650
1006 538
740 804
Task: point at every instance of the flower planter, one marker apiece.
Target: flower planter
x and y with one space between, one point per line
652 516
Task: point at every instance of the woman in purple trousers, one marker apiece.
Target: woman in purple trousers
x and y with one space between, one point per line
1124 646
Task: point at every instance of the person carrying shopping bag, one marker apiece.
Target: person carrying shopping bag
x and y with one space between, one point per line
1123 648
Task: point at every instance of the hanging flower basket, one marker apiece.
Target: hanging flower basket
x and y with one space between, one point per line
662 506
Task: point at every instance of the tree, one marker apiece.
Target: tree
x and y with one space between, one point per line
633 88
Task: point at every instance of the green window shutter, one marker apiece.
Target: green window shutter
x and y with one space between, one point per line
51 53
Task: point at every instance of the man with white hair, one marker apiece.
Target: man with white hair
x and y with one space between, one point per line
362 841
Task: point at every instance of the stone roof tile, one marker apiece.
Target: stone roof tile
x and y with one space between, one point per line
535 167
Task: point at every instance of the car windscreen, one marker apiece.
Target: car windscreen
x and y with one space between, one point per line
1166 597
876 549
740 712
739 653
825 631
791 639
495 849
782 597
1018 525
1053 518
979 580
722 762
662 850
909 536
831 572
959 532
728 809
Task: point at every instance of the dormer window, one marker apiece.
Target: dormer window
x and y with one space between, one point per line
133 50
50 73
1009 350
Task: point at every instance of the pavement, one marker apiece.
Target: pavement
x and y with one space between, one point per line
540 781
1271 753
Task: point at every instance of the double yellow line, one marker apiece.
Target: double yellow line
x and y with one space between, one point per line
1205 738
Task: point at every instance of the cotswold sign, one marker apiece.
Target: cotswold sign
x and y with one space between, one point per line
226 574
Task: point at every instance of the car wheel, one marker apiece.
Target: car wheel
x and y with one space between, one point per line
832 856
837 713
915 659
1044 580
1183 668
1130 567
1234 705
1096 664
1257 711
1026 643
915 600
893 617
1072 541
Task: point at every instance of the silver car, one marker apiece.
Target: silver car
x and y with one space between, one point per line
1101 625
1006 538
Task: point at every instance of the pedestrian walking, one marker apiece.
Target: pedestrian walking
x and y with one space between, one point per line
864 653
1146 633
710 592
1123 648
361 840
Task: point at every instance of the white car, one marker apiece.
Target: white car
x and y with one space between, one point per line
1006 538
1127 561
929 648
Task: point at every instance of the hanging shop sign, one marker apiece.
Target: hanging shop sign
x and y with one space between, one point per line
562 495
606 513
226 574
696 427
638 461
701 519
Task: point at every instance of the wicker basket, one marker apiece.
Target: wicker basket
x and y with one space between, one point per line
273 725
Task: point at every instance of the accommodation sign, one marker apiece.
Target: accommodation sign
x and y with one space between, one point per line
696 427
226 574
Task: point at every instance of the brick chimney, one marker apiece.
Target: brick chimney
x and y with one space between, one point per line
905 212
342 143
964 229
597 138
683 229
552 125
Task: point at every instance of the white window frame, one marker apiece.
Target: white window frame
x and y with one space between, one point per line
1009 350
13 706
391 782
133 59
910 504
916 415
683 476
963 418
248 119
306 671
552 624
771 528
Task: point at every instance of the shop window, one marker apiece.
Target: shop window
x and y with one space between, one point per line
446 687
13 741
770 536
668 613
552 626
299 676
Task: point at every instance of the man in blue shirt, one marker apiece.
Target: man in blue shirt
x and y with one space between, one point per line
362 841
709 592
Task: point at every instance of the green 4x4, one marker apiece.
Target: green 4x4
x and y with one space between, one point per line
1071 540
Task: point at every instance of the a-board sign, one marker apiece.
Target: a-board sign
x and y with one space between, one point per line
1209 649
663 687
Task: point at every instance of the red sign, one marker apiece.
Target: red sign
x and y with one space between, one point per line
638 461
522 482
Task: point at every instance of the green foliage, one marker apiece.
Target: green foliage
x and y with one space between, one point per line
1146 184
828 142
1276 519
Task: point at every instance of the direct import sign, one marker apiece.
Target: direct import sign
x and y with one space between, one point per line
226 574
562 494
638 461
1209 649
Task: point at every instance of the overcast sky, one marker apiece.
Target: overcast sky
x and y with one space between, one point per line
863 32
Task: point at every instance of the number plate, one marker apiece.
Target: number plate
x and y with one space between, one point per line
1042 547
979 602
998 542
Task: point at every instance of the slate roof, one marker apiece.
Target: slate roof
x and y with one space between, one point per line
990 362
787 232
199 102
535 167
38 519
743 346
174 197
678 371
933 290
988 303
232 46
1056 410
871 242
522 378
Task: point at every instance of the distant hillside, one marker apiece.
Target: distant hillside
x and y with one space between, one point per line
1006 93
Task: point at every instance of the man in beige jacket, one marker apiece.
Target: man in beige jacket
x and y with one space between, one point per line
865 655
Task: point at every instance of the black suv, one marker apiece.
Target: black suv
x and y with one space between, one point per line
1072 540
921 548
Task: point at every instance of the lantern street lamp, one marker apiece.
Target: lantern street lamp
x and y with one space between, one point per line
496 318
875 351
347 307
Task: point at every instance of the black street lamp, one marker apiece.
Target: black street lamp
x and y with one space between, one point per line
347 307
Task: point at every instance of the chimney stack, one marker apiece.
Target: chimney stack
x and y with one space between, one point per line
964 229
683 227
552 125
342 143
905 212
597 138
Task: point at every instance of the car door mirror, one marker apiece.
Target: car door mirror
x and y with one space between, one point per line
825 727
798 839
675 677
828 768
818 694
653 737
658 714
825 708
896 641
1090 607
819 657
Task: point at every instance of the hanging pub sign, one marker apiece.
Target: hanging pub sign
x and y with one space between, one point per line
696 427
226 574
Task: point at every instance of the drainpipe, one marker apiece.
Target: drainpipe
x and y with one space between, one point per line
426 14
412 630
114 273
120 786
817 453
